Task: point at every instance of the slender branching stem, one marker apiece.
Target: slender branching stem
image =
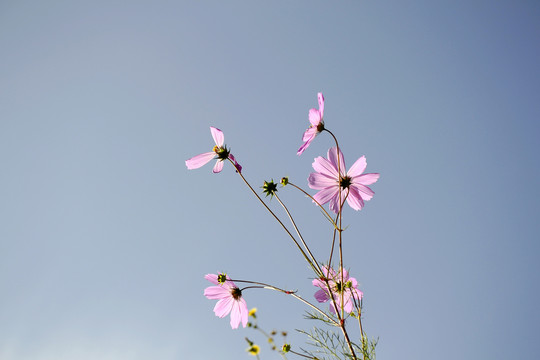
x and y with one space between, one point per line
314 264
288 292
273 214
316 202
302 355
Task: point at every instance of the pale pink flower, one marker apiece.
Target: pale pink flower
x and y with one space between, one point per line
317 124
330 181
219 152
230 299
346 285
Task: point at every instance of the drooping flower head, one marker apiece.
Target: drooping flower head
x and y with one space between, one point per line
219 152
352 184
340 284
230 299
317 124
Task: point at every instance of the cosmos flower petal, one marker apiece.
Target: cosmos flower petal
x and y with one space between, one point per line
309 134
218 167
216 292
304 146
358 167
239 313
224 306
320 98
212 278
314 117
322 296
325 195
319 181
235 315
334 202
355 199
333 158
218 136
325 167
200 160
365 192
367 179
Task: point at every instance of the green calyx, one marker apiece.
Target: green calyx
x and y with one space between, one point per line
269 188
222 152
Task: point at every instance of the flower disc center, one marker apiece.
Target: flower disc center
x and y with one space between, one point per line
345 182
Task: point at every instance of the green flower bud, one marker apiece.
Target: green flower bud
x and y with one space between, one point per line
269 188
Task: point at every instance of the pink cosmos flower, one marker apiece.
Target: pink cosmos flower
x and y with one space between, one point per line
219 152
230 299
330 181
317 124
349 288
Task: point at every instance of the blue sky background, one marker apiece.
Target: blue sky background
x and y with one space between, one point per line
105 236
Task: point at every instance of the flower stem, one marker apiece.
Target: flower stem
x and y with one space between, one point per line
274 215
314 264
288 292
316 202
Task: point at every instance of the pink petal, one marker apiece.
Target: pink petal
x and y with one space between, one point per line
348 307
320 98
304 146
333 158
199 160
218 167
334 202
358 167
216 292
366 179
321 296
365 192
212 278
354 199
315 117
325 167
239 313
309 134
325 195
218 136
319 181
224 306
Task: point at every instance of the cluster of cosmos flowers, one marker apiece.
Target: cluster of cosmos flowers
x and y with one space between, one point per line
335 186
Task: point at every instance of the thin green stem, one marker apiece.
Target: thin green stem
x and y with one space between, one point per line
313 261
292 293
272 213
316 202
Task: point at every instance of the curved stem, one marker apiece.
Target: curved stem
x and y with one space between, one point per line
315 267
272 213
292 293
316 202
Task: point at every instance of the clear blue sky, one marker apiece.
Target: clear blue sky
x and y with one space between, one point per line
105 236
